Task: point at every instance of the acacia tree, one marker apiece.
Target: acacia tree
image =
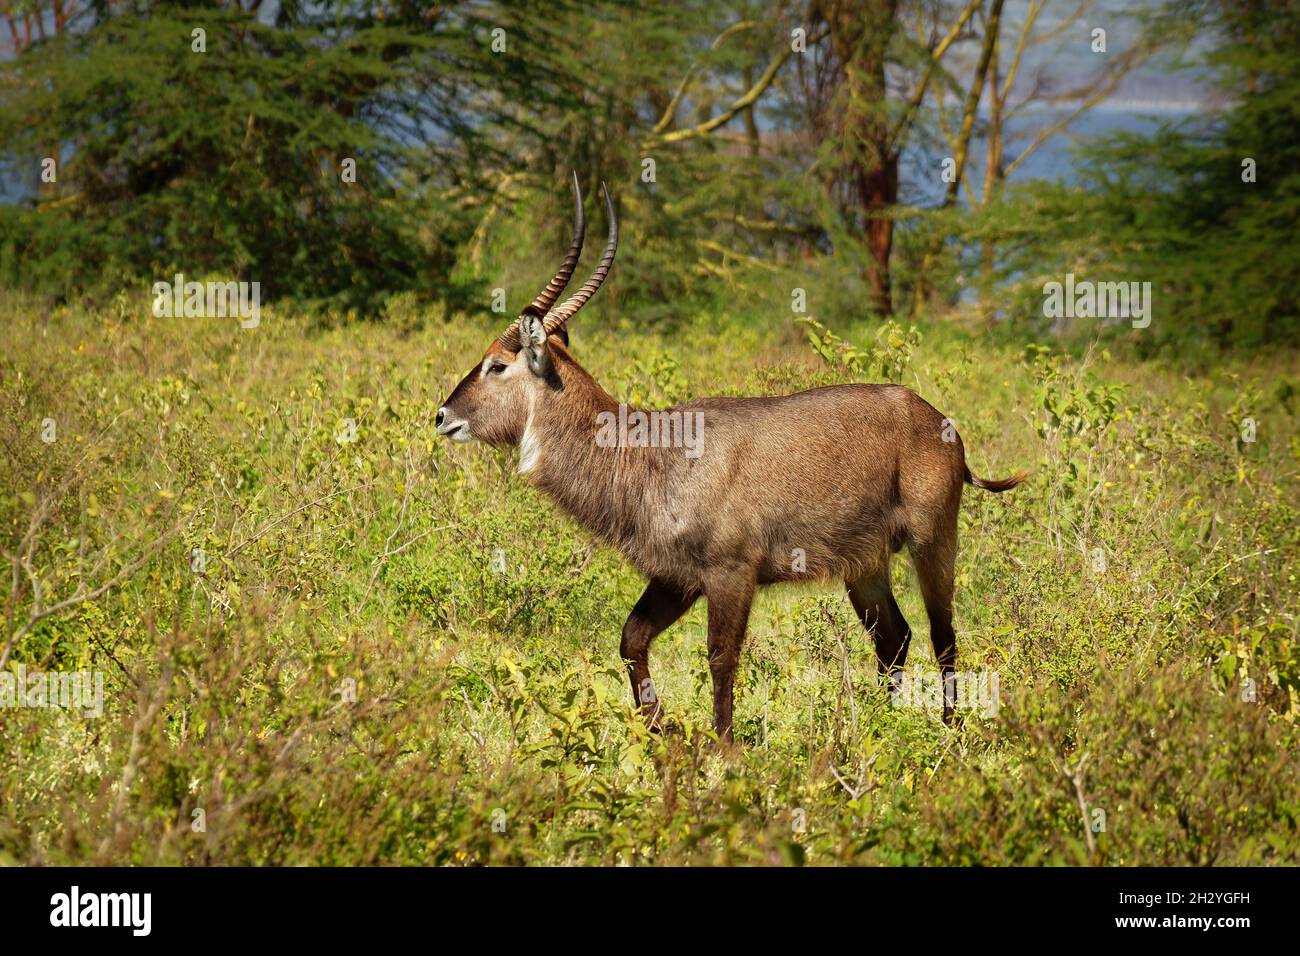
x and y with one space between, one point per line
991 16
847 88
35 21
211 138
1203 208
1009 43
865 93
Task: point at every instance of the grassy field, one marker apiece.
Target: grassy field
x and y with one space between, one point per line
330 638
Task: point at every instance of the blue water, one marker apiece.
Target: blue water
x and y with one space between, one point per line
1054 159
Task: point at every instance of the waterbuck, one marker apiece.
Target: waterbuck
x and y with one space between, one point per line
826 483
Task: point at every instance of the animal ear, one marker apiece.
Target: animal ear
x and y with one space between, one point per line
532 338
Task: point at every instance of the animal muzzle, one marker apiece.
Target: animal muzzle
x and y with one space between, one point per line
450 425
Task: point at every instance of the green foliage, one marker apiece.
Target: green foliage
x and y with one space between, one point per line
230 160
465 120
354 678
653 380
1204 209
887 358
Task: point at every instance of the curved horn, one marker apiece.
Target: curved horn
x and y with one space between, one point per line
556 318
509 339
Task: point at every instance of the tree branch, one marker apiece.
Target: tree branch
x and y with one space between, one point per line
670 112
709 125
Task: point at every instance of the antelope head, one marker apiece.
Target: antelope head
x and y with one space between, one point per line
496 400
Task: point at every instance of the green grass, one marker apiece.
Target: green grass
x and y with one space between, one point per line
1137 598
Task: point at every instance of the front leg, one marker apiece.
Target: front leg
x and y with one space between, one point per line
658 609
730 596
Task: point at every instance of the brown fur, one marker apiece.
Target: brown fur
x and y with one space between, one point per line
848 474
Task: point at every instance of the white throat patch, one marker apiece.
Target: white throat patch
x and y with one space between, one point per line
530 446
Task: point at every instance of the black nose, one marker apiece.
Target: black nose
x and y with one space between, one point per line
438 421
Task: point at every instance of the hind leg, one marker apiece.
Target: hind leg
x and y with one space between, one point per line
879 613
934 563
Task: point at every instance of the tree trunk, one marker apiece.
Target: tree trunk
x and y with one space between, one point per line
751 123
860 34
961 147
993 173
879 191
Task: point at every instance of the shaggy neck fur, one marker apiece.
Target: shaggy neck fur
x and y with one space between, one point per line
606 489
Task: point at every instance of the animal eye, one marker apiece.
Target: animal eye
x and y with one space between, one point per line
496 368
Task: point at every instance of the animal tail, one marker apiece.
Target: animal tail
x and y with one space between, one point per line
1006 484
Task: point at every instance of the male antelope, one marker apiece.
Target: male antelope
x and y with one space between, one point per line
826 483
